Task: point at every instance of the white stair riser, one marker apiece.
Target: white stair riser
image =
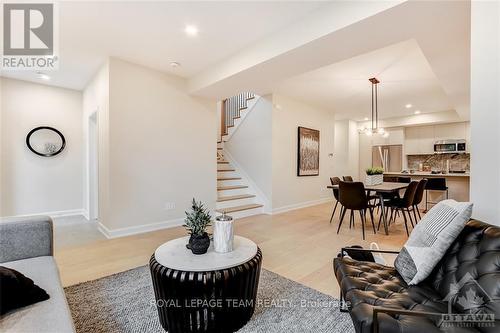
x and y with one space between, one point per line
233 192
229 182
224 167
245 213
227 174
233 203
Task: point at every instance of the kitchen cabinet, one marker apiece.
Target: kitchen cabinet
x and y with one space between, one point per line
396 137
421 139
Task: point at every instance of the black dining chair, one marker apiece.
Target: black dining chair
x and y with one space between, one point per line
335 181
352 196
347 178
403 205
417 199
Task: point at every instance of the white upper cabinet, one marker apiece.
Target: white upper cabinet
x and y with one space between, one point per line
421 139
396 137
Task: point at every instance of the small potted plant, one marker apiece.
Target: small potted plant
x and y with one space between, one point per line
197 221
374 176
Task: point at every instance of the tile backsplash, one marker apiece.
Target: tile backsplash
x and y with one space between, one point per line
437 162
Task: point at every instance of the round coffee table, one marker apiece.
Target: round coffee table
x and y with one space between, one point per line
212 292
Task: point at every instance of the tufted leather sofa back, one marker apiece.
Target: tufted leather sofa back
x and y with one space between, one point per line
468 276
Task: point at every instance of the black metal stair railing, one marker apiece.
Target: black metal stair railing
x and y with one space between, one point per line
231 108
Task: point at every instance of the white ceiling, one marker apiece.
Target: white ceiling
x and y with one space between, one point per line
152 34
405 78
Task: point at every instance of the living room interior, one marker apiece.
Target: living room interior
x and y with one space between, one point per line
322 166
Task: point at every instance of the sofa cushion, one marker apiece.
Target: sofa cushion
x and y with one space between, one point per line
52 315
17 290
367 284
430 239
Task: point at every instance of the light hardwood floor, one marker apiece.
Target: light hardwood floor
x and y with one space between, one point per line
299 245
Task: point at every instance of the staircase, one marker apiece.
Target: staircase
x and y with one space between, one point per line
233 194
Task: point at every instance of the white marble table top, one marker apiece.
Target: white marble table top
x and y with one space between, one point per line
174 254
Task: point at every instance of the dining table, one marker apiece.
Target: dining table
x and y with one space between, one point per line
380 190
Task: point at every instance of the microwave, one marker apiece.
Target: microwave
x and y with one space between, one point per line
450 146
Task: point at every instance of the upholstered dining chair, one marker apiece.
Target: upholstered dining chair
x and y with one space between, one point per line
403 205
335 181
347 178
352 196
417 199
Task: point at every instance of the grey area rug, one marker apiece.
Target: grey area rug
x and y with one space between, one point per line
124 302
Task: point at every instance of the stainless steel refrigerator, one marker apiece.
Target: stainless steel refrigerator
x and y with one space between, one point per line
388 157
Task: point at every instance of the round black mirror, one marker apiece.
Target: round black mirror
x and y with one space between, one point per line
45 141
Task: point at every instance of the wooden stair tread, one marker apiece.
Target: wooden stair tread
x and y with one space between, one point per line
228 178
235 197
232 187
238 208
225 170
222 162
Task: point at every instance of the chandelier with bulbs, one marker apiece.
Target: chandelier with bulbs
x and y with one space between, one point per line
374 123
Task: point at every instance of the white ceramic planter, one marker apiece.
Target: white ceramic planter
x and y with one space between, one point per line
223 234
374 179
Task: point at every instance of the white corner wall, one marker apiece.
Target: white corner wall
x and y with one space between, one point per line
162 150
96 99
485 110
32 184
289 190
346 151
250 146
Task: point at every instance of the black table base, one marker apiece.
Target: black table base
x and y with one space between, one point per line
214 301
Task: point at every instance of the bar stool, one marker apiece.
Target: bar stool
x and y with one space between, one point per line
406 180
434 184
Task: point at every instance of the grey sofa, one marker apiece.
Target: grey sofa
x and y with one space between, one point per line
26 245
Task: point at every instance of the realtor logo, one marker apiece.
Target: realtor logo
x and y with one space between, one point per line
29 36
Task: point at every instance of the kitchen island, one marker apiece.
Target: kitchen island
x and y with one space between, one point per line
458 185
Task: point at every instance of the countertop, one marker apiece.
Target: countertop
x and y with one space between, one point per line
428 174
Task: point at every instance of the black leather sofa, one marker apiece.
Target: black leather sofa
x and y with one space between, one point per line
467 280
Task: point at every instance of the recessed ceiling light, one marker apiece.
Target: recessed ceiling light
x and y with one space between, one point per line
366 118
408 106
175 64
417 111
191 30
42 76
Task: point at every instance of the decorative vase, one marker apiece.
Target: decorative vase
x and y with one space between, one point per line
199 244
223 233
374 179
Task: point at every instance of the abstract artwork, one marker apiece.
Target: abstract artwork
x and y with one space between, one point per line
308 152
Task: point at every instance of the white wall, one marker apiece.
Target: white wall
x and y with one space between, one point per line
485 110
290 191
162 149
346 153
250 145
32 184
96 99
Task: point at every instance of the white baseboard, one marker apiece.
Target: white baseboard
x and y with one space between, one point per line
140 229
301 205
59 213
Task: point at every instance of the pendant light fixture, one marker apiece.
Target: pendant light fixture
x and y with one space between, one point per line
374 120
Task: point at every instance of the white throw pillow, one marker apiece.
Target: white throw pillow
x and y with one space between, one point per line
431 238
